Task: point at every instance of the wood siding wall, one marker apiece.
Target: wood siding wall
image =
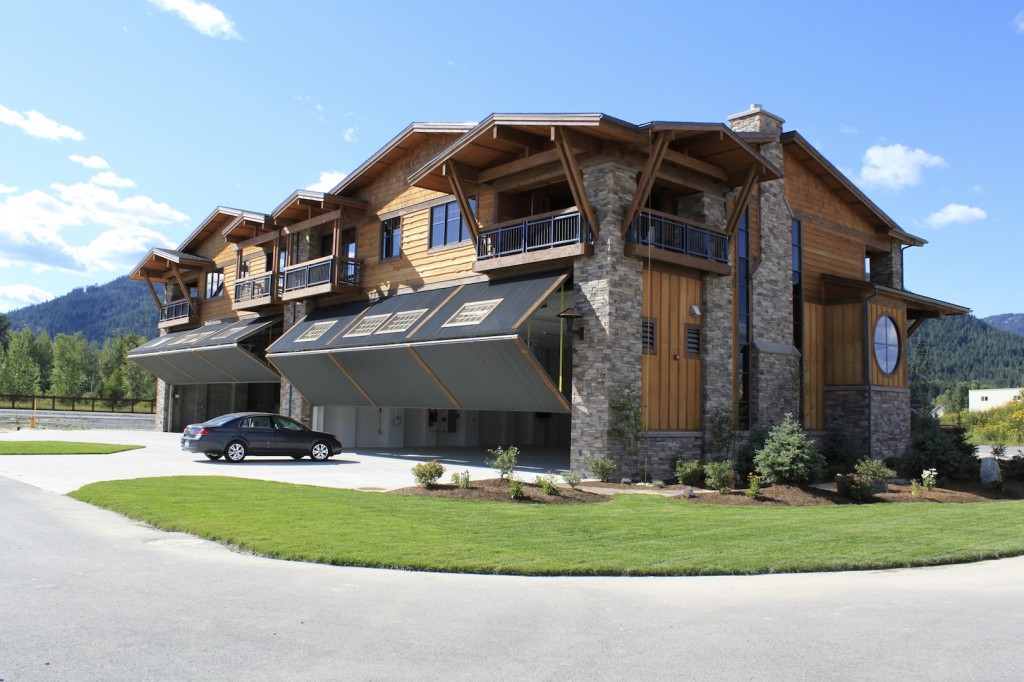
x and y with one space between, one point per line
844 344
217 249
898 313
671 380
814 344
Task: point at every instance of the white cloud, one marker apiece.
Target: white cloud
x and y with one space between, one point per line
955 213
37 125
349 135
976 189
896 166
20 295
96 162
203 16
327 181
1018 22
111 179
5 189
847 129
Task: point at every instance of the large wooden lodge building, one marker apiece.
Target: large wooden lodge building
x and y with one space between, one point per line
500 283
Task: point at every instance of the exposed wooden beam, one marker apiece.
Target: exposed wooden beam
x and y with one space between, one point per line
152 291
741 201
184 291
527 141
462 199
577 142
687 161
309 223
256 241
575 178
466 173
647 177
518 166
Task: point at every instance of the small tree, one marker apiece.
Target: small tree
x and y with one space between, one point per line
627 421
789 456
504 460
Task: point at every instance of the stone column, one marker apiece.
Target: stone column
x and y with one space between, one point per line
608 291
887 268
293 404
775 380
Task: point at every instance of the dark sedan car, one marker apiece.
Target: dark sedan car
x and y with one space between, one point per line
238 435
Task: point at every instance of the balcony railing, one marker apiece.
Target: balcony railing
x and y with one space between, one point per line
254 288
538 232
672 234
321 271
176 310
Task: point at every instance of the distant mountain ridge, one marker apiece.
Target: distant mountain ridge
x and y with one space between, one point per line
1011 322
100 312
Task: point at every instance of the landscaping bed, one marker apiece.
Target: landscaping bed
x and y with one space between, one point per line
496 490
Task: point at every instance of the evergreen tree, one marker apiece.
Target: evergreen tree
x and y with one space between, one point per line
71 372
5 328
119 377
19 373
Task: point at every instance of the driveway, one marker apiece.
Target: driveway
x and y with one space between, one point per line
162 456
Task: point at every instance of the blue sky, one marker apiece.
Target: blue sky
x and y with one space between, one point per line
124 123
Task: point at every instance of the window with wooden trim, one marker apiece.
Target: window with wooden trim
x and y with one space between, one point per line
447 225
692 341
391 238
649 335
472 313
368 325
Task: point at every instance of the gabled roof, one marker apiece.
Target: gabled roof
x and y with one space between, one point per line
299 203
823 169
216 221
158 261
412 136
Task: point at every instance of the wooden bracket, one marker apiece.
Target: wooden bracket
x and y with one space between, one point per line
463 201
184 291
741 202
152 291
647 177
575 177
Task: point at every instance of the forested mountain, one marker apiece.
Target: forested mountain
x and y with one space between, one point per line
1011 322
101 312
964 348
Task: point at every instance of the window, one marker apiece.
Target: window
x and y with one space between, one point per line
401 322
472 313
243 269
692 340
649 335
314 331
447 225
368 325
391 238
215 283
887 344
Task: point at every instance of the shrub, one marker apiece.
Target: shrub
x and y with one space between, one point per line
428 473
754 483
461 480
839 452
932 448
547 484
855 487
602 468
874 469
504 460
689 472
515 488
718 475
573 478
756 438
788 455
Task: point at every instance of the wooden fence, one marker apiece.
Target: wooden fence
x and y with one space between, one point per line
76 404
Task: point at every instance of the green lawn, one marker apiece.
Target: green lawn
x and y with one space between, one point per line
631 535
57 447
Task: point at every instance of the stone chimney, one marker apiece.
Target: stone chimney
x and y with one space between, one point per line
756 120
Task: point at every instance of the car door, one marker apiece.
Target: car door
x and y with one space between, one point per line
260 433
292 438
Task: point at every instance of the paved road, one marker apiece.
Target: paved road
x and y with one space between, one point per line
88 595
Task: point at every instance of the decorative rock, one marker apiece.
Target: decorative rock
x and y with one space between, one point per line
990 471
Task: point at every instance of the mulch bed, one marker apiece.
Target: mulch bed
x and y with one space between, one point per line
496 490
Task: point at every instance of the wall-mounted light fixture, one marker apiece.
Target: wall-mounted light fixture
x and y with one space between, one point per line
695 310
570 316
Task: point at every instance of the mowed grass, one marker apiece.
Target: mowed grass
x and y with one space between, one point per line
58 447
630 535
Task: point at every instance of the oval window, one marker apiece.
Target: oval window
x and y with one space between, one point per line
887 344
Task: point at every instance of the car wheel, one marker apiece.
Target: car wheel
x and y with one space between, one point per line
297 456
321 451
235 451
212 455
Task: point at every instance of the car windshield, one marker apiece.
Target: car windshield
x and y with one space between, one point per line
288 425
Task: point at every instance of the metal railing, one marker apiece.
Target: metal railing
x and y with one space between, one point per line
254 288
176 310
535 233
350 272
675 235
309 274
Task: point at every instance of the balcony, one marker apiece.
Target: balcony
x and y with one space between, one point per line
683 243
325 275
545 237
255 292
177 314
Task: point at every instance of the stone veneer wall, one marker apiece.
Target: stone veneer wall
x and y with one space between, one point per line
774 363
663 448
890 421
293 404
608 289
846 410
887 268
161 423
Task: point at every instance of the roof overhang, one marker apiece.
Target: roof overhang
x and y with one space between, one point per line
303 204
159 265
918 307
841 186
